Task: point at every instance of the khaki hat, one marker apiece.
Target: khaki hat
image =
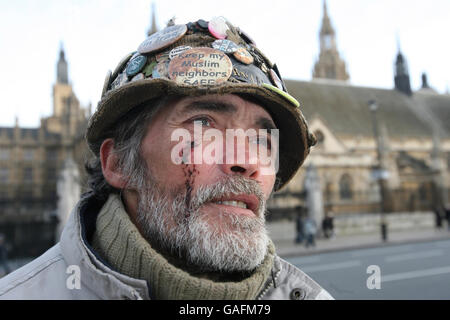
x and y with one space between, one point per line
201 58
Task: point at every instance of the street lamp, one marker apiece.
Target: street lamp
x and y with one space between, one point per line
379 169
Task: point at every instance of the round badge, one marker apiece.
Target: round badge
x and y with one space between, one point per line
275 79
218 27
148 70
225 46
163 38
161 69
119 81
264 68
243 56
135 65
191 26
122 64
202 24
155 74
248 73
200 67
107 82
137 77
162 56
176 51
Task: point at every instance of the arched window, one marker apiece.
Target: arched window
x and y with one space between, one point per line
346 187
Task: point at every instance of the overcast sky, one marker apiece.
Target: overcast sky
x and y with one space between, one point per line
96 34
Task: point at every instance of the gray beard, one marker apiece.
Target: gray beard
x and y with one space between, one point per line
223 242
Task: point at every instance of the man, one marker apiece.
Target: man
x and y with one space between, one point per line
193 133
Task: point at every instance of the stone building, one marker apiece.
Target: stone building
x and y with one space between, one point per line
30 162
412 129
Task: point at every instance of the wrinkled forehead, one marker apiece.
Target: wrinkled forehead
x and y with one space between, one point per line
228 104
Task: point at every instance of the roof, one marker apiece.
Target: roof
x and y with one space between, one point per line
344 109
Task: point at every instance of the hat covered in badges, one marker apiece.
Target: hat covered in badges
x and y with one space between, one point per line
199 58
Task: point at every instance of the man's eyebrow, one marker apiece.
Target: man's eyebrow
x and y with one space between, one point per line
265 123
224 107
215 106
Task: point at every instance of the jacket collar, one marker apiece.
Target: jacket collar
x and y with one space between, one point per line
96 274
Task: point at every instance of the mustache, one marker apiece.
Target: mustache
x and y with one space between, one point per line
228 186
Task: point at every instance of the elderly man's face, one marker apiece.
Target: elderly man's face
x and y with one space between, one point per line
210 212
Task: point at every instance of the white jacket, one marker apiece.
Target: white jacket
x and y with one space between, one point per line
72 270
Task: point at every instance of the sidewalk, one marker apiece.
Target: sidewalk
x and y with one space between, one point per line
286 247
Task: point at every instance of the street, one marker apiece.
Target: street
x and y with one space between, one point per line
408 271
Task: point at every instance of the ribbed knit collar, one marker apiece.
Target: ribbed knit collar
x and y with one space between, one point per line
119 242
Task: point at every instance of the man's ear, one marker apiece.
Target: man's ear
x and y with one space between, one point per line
111 172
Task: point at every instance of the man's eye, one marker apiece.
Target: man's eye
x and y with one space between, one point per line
261 140
203 121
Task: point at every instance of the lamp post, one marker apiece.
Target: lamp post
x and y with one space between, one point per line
380 171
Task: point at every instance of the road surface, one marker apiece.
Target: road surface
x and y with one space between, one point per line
407 272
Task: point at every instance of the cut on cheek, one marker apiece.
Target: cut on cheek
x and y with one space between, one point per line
190 172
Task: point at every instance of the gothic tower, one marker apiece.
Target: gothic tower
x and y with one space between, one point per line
401 73
330 65
61 73
67 112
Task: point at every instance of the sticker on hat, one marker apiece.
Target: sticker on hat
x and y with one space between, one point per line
275 79
218 27
248 73
200 66
243 56
121 79
137 77
135 65
161 70
286 95
226 46
176 51
163 38
148 70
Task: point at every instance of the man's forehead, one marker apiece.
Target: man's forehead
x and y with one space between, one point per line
228 103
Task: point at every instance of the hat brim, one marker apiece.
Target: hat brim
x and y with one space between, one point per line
293 130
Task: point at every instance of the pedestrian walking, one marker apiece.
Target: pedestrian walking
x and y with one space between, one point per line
447 215
299 226
438 215
328 225
3 255
310 232
325 224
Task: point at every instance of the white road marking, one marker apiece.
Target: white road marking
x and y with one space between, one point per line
414 255
380 251
331 266
415 274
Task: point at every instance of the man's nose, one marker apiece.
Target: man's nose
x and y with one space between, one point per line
240 158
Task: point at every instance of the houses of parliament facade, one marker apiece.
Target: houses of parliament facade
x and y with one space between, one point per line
404 138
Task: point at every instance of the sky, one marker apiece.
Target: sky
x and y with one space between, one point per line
96 34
